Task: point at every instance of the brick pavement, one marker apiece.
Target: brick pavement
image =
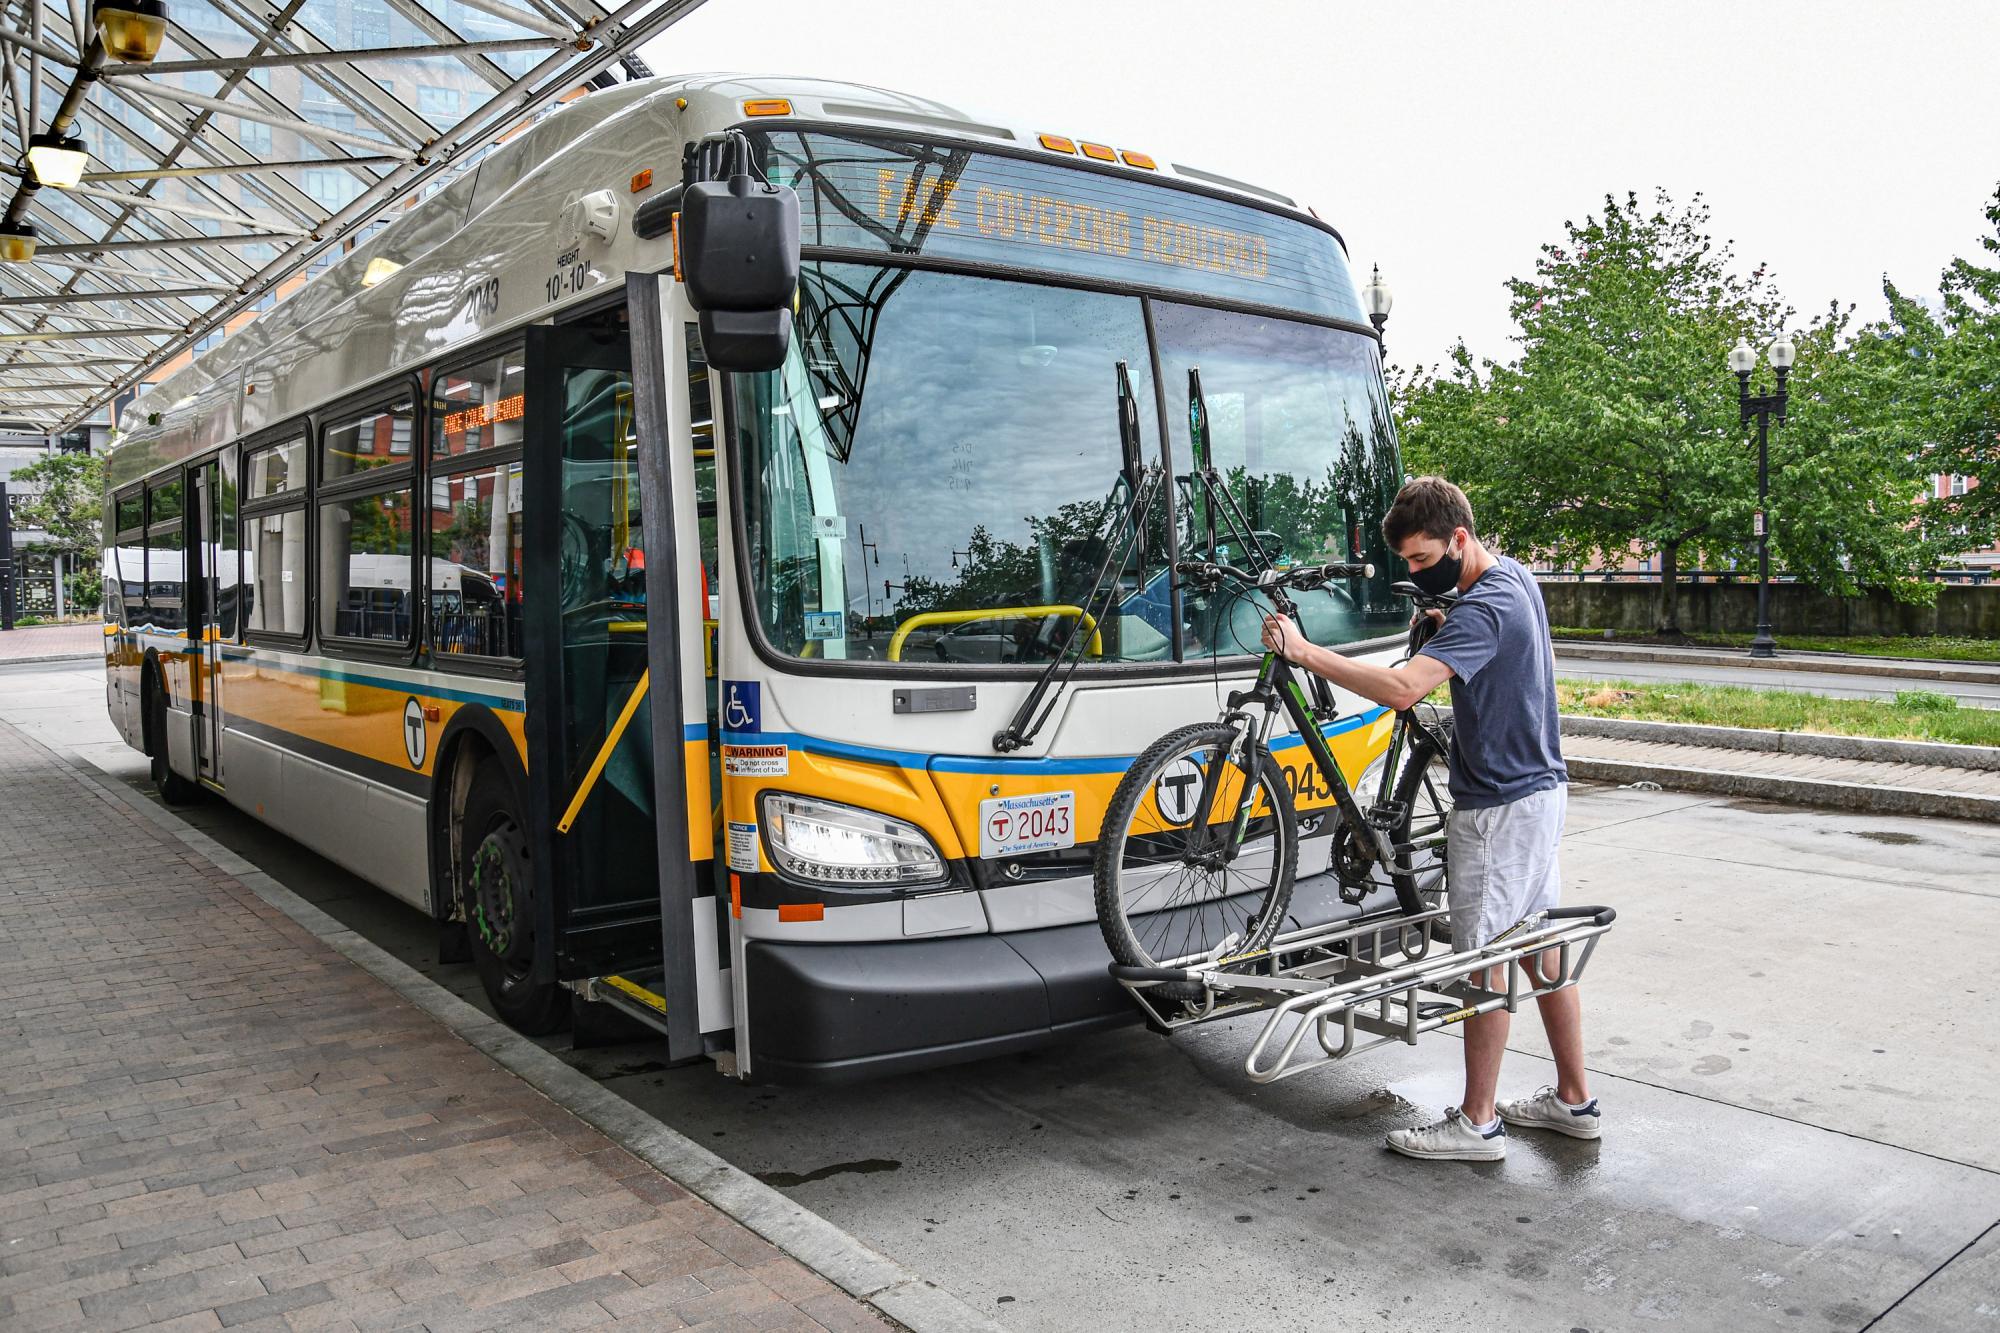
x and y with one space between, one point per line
38 641
210 1119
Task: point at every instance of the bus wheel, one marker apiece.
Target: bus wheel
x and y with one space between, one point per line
497 892
173 788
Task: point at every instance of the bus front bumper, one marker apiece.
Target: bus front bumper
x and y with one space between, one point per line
830 1013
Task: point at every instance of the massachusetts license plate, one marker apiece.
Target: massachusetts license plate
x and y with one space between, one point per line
1010 825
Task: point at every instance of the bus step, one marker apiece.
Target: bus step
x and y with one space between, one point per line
626 1007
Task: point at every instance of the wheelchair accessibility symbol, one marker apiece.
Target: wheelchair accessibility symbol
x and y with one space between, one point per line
742 705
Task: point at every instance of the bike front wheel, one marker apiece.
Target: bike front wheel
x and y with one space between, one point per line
1170 890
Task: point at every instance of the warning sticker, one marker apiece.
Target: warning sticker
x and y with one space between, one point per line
743 847
756 761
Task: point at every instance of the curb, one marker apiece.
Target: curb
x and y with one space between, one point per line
6 662
1934 753
1833 664
1796 791
904 1296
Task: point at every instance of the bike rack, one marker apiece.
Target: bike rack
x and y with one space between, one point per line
1359 985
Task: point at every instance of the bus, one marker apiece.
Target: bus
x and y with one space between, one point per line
711 694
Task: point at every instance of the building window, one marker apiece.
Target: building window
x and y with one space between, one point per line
440 106
1957 483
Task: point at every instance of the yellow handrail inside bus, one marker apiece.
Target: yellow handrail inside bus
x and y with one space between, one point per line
604 752
966 617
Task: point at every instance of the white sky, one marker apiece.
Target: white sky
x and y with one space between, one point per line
1837 139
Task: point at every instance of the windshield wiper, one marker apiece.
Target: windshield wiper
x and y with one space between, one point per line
1215 493
1126 528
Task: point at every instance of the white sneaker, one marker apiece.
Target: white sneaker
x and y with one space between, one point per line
1545 1110
1452 1139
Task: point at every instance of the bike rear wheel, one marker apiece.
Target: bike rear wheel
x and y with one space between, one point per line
1165 896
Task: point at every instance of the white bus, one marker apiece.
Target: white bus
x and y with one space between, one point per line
688 691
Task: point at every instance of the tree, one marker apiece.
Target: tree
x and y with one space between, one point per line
66 502
1945 368
1617 423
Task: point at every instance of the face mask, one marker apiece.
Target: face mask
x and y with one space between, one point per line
1440 578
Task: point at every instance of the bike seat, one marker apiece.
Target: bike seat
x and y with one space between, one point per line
1405 588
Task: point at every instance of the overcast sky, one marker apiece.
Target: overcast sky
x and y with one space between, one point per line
1836 139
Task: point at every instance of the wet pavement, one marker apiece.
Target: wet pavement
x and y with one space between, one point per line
1792 1030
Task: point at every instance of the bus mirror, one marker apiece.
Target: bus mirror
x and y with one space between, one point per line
739 253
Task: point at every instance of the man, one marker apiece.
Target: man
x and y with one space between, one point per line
1509 792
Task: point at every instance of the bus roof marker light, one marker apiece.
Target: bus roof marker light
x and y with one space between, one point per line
1055 143
1139 160
1376 299
642 180
132 29
767 106
1098 151
17 243
56 159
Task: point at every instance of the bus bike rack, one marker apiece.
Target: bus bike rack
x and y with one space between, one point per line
1360 985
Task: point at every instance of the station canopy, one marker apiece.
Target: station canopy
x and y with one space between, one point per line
255 145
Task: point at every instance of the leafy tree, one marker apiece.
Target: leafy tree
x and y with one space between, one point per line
70 504
1617 424
1944 366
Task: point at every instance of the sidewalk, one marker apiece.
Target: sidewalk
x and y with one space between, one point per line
48 643
1875 785
210 1118
1844 664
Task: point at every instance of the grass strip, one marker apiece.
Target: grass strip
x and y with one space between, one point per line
1913 715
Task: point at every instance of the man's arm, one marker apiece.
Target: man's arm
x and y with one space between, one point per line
1393 689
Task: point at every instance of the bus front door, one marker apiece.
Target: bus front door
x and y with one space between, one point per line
590 695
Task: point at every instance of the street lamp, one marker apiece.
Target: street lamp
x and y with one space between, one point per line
1376 299
17 242
1743 360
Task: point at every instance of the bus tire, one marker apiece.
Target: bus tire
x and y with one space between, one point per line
496 888
173 788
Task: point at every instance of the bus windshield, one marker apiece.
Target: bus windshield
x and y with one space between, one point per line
935 474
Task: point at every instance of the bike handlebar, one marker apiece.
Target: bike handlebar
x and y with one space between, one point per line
1298 576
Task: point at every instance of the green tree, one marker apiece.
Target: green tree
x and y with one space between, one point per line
1944 369
68 503
1617 422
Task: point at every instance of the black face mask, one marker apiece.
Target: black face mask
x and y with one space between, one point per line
1440 578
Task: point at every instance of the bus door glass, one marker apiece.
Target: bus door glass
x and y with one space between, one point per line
212 604
589 718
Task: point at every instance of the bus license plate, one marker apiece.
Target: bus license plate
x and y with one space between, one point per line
1010 825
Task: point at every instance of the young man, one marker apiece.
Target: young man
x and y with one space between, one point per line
1509 790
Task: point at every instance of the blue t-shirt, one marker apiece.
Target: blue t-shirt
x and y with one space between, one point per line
1505 735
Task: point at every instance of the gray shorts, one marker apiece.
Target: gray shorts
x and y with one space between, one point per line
1503 866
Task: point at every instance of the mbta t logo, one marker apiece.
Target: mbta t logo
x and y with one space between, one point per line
416 737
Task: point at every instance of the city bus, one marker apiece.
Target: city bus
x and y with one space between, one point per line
712 697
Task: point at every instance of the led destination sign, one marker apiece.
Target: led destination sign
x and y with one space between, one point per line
909 198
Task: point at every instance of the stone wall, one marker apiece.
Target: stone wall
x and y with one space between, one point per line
1962 610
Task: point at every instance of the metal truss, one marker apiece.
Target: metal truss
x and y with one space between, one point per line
263 138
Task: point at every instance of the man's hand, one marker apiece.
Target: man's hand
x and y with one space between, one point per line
1282 637
1433 613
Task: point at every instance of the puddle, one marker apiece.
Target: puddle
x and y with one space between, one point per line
1887 837
785 1180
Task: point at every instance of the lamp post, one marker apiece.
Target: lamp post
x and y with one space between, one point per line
1376 299
1743 360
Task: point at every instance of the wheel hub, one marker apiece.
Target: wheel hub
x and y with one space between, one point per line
498 899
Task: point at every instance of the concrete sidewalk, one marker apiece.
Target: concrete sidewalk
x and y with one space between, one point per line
1836 675
210 1118
51 643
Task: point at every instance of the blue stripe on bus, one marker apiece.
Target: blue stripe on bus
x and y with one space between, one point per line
969 764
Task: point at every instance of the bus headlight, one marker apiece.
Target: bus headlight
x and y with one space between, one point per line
828 843
1370 785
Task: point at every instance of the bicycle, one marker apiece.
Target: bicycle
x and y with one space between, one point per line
1200 842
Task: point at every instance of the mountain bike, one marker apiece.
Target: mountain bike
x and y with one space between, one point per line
1200 844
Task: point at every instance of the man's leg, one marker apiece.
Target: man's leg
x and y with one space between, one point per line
1485 1046
1562 1021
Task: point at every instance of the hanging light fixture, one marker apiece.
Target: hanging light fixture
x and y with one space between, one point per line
132 29
17 242
56 159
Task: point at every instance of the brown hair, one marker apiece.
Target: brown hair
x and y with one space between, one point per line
1428 505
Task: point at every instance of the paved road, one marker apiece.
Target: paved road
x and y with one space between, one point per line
1830 684
1793 1030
